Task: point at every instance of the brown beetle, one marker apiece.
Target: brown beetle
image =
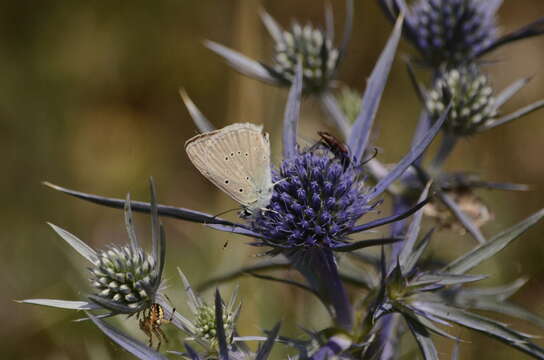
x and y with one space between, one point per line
337 147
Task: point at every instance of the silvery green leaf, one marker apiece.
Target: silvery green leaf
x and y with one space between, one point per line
412 234
506 308
219 326
423 339
335 113
155 226
115 306
266 347
131 345
510 91
161 255
248 338
194 302
419 250
329 21
389 219
193 355
420 90
83 249
483 252
129 224
242 63
274 29
360 132
499 293
364 244
425 319
292 114
63 304
445 279
513 116
101 316
348 24
484 325
233 299
201 122
139 206
471 228
423 125
432 327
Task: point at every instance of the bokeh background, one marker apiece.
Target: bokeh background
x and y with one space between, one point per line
89 100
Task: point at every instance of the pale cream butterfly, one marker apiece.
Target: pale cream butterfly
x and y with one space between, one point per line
236 159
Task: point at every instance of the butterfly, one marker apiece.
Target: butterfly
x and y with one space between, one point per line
236 159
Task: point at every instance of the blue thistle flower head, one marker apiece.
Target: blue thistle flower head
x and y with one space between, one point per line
450 31
316 202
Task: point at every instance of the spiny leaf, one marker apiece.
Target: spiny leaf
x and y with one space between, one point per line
360 133
292 114
201 122
168 211
83 249
242 63
423 339
266 347
484 325
63 304
131 345
492 247
412 233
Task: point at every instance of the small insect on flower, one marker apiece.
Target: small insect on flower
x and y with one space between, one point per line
151 320
236 159
336 146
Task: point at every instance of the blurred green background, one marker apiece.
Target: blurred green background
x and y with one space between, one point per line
89 100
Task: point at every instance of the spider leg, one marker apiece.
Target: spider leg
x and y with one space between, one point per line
145 328
157 331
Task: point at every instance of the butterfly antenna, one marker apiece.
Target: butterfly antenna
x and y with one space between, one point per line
279 181
224 212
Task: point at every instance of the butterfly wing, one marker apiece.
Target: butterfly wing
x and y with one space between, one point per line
233 159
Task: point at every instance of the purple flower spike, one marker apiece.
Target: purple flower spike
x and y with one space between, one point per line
454 32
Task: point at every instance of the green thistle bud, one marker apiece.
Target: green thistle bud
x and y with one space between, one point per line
125 276
471 96
350 103
318 55
206 325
